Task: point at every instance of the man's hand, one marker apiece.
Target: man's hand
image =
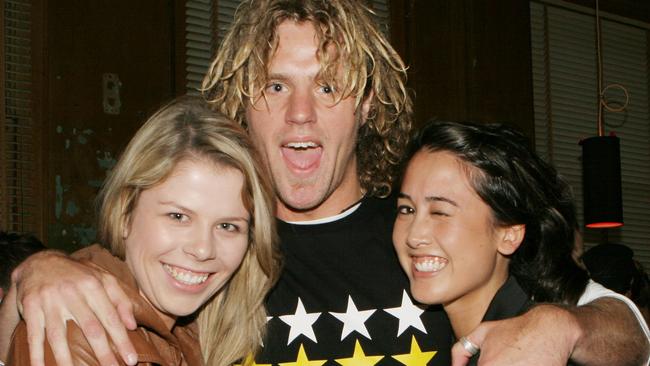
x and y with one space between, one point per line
533 338
53 288
603 332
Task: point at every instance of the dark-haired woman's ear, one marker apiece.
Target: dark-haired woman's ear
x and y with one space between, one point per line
510 237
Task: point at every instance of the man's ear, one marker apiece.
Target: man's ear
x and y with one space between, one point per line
366 103
510 237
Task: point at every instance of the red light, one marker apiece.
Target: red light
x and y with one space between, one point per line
603 225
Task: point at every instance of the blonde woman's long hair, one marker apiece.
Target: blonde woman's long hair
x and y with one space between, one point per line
231 324
371 69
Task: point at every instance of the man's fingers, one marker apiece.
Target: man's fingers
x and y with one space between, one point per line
120 300
74 292
58 341
125 311
35 323
94 332
96 316
460 355
114 320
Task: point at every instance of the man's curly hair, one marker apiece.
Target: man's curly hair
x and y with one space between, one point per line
371 67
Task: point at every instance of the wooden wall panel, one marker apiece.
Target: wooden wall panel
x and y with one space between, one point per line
469 60
86 39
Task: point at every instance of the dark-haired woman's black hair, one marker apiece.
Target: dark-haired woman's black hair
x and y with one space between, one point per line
520 188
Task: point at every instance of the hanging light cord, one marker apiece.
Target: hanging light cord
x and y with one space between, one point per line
602 100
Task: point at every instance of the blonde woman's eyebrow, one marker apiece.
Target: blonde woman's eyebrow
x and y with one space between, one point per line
176 206
236 218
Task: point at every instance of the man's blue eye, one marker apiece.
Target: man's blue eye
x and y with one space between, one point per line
275 87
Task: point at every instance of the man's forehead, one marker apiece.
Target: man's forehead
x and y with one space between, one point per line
299 42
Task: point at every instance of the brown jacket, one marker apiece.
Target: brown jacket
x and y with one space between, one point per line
154 343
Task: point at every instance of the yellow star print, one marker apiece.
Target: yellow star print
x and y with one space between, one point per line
302 360
359 358
251 362
416 357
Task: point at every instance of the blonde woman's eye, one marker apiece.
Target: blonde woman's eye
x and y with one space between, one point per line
178 216
327 89
229 227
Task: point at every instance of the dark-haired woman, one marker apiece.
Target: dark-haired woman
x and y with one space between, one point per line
485 227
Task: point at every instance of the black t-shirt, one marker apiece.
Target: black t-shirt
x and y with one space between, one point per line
342 298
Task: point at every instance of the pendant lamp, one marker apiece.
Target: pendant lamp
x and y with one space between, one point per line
601 160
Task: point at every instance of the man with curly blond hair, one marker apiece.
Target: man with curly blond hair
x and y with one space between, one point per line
323 96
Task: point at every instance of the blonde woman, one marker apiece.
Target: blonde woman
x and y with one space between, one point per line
187 215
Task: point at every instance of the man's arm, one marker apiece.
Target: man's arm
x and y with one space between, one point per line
9 319
52 288
611 335
603 332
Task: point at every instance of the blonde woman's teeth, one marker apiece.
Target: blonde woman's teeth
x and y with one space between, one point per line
185 276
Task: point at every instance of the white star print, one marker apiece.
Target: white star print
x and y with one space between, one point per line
408 315
354 320
301 323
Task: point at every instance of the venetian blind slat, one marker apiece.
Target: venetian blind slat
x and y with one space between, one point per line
18 152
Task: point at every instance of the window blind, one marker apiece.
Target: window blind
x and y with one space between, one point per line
199 43
226 12
565 102
202 40
18 153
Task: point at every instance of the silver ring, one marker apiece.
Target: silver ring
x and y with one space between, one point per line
470 347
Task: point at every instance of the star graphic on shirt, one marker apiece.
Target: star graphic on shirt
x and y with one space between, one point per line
416 357
301 323
250 362
408 315
359 358
302 360
354 320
